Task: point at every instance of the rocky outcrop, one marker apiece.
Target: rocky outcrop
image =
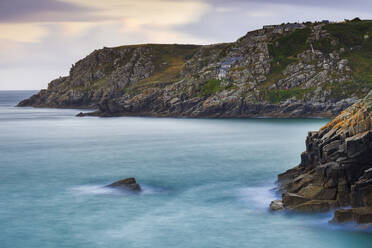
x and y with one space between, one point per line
295 70
129 184
336 168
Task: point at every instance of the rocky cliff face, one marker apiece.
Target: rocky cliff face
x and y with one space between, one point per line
336 168
289 70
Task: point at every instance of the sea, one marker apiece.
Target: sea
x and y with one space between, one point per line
207 183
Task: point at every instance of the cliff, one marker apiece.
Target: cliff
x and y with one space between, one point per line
336 168
288 70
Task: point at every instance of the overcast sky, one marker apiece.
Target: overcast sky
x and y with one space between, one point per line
41 39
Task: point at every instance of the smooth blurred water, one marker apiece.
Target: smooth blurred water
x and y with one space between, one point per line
207 182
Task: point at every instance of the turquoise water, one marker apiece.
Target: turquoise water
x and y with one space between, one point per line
207 182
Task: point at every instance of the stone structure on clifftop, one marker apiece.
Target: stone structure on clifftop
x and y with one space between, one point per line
336 168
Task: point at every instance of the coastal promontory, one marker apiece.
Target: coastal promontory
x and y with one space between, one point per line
287 70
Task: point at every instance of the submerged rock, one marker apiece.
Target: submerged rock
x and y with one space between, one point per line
127 184
336 168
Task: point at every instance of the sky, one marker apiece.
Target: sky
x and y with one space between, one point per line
41 39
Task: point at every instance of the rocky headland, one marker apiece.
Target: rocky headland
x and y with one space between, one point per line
288 70
335 170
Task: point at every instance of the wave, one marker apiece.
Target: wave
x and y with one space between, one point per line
94 190
257 197
102 190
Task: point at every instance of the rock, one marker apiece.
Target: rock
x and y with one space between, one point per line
81 114
314 206
127 184
291 199
276 205
310 191
336 168
362 215
343 215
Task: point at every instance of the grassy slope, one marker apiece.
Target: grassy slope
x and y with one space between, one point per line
351 37
283 51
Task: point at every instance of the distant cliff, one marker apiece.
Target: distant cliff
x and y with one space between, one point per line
288 70
336 168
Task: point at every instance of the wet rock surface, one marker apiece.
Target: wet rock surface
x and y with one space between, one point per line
336 168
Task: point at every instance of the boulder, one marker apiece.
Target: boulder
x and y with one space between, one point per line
276 205
126 184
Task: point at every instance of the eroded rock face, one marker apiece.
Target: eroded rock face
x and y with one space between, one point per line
126 184
336 168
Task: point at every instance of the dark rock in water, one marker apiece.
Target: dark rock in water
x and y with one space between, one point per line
127 184
81 114
336 168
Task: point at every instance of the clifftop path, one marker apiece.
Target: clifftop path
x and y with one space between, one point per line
288 70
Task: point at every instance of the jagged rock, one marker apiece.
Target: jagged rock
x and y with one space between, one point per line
336 168
127 184
276 205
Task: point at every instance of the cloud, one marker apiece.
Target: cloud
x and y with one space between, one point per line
22 32
40 39
43 11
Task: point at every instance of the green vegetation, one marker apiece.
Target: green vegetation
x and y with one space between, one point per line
350 34
355 37
211 87
284 49
361 63
324 45
276 96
